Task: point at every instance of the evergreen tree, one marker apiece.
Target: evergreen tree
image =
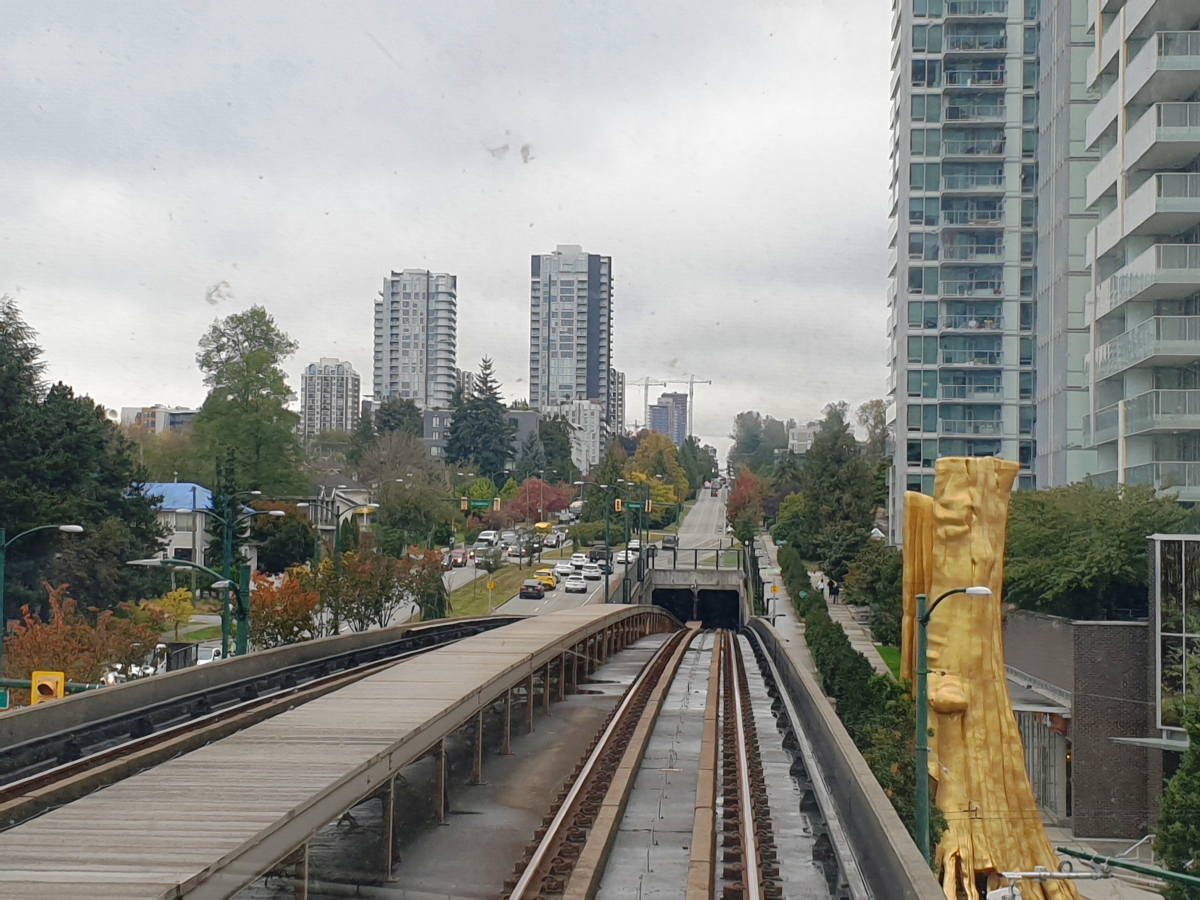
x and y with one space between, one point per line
1177 837
532 462
610 471
362 440
246 412
400 414
557 433
62 461
480 429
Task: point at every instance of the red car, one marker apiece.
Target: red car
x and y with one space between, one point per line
457 558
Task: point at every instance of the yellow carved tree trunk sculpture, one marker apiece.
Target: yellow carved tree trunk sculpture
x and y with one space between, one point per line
956 539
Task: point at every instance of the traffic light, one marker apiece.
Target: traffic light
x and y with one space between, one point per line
618 505
45 686
649 506
463 503
496 504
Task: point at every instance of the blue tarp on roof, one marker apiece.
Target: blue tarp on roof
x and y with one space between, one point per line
178 494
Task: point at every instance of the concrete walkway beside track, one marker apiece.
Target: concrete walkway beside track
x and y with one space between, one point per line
212 820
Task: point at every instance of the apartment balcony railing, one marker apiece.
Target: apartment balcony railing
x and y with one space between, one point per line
973 216
1181 478
1169 57
969 147
1104 428
971 288
1165 410
984 392
980 427
973 323
969 42
1168 203
989 252
1159 340
974 8
972 78
972 358
1166 137
967 181
976 112
1162 272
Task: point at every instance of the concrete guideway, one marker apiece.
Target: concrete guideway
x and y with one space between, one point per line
213 820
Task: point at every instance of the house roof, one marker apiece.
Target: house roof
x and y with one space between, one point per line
178 494
335 480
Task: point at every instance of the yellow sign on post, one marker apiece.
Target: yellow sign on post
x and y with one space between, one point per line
774 589
45 686
491 585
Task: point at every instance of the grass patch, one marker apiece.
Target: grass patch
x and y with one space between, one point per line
891 656
472 599
211 633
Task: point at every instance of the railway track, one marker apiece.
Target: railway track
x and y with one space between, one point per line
630 824
57 769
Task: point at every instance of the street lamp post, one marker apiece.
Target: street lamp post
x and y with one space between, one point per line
66 529
240 589
922 710
607 551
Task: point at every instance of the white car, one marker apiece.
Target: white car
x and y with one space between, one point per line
579 560
207 655
552 540
626 556
591 572
564 569
575 584
489 537
635 544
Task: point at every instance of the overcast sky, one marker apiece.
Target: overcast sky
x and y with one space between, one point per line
731 157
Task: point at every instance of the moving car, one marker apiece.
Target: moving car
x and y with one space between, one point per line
546 577
532 589
564 569
457 559
578 560
552 540
626 556
488 537
591 572
575 584
598 553
670 541
635 544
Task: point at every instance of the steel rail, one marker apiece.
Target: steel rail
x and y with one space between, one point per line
641 684
751 873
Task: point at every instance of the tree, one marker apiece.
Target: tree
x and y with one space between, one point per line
361 440
532 460
168 455
63 461
699 464
557 435
1177 835
510 489
412 512
1080 551
284 541
397 454
872 416
535 496
245 416
755 440
875 578
68 642
743 509
175 607
747 436
610 471
480 429
400 414
656 455
282 610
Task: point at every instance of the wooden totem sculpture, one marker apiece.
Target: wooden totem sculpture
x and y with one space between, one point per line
956 539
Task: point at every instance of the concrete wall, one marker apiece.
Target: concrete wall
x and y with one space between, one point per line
889 860
1040 645
1115 786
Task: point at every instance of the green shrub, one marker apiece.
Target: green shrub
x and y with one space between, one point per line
876 579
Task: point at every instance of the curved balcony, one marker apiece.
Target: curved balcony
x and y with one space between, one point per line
1158 341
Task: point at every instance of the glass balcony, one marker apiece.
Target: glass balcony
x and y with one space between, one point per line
1163 411
969 216
1158 341
971 287
1181 478
973 146
993 253
976 42
976 112
1168 203
976 8
972 181
1167 136
973 323
1163 272
1105 428
1166 68
974 78
989 392
972 357
981 427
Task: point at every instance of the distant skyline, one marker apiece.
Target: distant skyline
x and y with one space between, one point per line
167 164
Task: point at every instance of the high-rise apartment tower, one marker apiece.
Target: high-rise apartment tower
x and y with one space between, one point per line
416 338
329 397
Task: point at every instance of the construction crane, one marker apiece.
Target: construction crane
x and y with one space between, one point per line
691 382
644 384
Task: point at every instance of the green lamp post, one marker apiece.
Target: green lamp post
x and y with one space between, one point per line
921 672
240 589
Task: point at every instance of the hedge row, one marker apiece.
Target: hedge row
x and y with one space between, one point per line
877 712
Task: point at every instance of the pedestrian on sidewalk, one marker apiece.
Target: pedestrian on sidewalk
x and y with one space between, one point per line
834 591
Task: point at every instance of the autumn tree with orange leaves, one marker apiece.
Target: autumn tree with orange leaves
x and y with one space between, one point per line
282 610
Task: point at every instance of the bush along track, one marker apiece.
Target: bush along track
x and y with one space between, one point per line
877 712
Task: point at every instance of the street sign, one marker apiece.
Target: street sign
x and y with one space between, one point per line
635 505
3 698
491 585
466 503
774 589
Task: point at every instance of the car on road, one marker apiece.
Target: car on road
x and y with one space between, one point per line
488 537
575 584
605 568
635 544
457 559
670 542
591 572
532 589
564 569
552 540
579 560
480 549
547 577
596 554
207 655
626 556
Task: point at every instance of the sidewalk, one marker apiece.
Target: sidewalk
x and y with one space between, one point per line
860 638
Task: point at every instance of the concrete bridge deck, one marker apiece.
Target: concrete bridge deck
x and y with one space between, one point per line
211 821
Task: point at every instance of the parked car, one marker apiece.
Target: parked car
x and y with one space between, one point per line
457 559
634 544
591 572
626 556
564 569
575 584
578 560
532 589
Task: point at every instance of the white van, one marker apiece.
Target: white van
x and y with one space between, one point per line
490 536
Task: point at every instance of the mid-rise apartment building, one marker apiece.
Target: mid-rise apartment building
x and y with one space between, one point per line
1143 303
588 432
963 236
670 417
158 419
330 395
416 338
616 402
570 333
